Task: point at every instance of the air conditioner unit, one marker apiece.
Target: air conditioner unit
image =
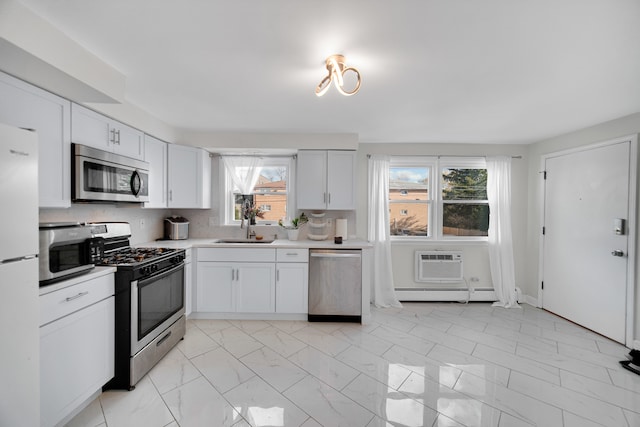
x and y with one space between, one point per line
438 266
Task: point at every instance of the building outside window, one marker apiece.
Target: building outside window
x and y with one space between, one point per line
270 196
438 199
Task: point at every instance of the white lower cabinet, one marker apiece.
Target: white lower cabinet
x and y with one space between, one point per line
231 287
76 346
292 288
248 280
292 280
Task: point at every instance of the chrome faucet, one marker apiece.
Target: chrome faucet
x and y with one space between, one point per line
245 212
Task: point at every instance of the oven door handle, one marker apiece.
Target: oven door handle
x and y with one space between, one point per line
165 273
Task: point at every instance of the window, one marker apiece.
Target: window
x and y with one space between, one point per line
465 208
409 191
438 198
271 197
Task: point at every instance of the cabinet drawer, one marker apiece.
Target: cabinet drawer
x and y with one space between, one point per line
292 255
237 254
73 298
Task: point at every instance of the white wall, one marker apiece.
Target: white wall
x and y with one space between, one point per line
476 255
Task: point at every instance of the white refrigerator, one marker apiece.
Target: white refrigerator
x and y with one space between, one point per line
19 288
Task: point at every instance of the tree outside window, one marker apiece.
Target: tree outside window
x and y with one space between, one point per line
465 208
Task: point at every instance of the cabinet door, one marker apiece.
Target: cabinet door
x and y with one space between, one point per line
341 167
292 288
184 170
215 292
128 141
311 179
155 153
90 128
25 106
255 287
76 359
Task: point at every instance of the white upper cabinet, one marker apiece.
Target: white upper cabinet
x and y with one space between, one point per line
326 179
189 177
95 130
155 153
25 106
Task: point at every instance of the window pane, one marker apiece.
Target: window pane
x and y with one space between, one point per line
408 219
269 195
465 219
464 184
408 183
273 206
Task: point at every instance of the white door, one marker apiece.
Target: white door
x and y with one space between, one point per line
584 278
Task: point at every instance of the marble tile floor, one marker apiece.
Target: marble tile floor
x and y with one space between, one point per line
427 364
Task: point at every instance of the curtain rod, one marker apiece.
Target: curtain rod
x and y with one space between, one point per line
294 156
459 155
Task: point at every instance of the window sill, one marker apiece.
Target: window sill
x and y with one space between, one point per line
428 242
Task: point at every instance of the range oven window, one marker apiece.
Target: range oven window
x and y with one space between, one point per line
159 297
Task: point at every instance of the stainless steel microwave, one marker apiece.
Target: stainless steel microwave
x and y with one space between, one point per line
101 176
67 250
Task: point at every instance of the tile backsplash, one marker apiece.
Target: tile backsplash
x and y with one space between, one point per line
148 224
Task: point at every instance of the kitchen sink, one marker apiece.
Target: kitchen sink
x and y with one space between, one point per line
243 241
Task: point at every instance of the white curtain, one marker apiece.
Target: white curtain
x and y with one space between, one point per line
379 234
500 234
244 171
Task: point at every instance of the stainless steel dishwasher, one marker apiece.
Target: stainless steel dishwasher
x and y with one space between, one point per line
335 285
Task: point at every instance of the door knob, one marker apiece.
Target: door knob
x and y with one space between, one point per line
617 252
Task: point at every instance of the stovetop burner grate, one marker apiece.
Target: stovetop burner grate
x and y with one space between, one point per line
135 256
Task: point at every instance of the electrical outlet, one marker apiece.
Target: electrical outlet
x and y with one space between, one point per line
142 223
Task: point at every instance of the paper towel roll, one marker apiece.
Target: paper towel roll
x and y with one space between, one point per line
341 228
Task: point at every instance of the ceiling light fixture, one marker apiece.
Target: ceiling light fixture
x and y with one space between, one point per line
337 70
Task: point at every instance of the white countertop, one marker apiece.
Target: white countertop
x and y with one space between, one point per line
279 243
91 274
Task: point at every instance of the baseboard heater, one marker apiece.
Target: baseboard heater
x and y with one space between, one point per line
440 294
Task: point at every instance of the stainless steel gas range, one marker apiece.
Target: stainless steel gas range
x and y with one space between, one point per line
149 302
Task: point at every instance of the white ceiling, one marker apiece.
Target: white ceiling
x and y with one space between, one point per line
494 71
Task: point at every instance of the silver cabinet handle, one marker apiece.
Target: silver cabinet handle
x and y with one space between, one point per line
81 294
233 271
329 202
292 254
237 274
277 275
113 136
118 133
324 197
171 195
